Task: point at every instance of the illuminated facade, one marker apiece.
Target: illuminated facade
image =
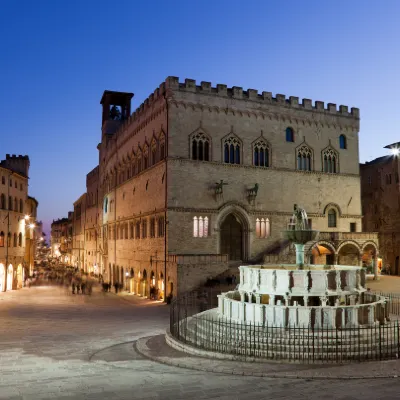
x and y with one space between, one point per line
16 225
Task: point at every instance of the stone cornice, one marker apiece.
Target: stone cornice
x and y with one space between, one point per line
264 213
221 164
277 112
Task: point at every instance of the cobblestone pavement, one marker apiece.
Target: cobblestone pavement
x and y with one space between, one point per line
386 284
57 346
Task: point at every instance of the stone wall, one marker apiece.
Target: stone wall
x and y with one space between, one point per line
191 276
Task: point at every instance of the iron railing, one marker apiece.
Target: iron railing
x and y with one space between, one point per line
208 331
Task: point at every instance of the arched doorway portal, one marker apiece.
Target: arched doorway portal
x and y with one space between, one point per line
19 276
144 284
232 237
2 278
10 273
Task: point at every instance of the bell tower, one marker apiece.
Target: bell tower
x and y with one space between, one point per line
116 109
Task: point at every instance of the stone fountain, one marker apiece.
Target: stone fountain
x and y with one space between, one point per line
323 302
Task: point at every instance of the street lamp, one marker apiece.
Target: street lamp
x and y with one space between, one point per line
126 280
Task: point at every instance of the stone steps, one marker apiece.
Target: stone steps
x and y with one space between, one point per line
292 346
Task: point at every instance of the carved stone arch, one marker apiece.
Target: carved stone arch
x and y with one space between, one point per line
304 149
200 136
161 135
370 243
325 243
239 212
232 139
346 242
334 206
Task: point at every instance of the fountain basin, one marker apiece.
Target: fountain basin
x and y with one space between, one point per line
301 236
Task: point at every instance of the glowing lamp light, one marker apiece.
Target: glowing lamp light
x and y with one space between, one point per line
395 151
31 226
27 217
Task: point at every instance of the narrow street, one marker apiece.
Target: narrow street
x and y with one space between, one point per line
54 345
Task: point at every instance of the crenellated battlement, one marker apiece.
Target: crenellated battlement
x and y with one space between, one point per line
19 164
236 92
172 84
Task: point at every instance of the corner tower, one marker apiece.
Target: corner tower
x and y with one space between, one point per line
116 109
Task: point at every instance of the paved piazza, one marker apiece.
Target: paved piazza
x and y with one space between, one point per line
57 346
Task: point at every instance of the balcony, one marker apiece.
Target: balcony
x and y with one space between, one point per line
357 236
198 258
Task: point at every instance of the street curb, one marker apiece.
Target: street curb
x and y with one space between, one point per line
142 348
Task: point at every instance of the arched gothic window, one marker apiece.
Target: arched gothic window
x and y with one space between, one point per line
153 152
200 226
105 204
162 146
304 158
15 204
134 162
289 135
21 206
342 142
330 161
145 161
137 233
232 149
200 147
20 239
1 239
152 227
261 157
3 201
9 239
161 226
10 203
144 229
332 218
139 164
263 228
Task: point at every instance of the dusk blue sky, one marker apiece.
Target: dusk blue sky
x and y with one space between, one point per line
57 58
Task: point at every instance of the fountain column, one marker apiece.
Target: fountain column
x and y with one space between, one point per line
299 253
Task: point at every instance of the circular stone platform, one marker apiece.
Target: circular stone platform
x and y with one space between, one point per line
157 349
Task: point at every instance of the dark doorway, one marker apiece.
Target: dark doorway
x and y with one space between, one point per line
396 266
232 238
330 259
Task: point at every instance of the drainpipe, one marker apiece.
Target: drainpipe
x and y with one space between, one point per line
166 203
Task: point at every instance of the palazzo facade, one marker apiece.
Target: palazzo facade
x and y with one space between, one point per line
200 177
17 223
